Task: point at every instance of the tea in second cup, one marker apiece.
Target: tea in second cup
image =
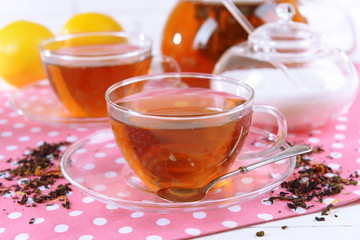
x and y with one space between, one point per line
177 135
80 67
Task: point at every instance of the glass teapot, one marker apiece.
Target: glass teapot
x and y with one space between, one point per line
292 69
198 32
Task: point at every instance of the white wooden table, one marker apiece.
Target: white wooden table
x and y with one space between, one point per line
345 226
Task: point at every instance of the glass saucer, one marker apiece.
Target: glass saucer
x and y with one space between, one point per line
95 166
38 102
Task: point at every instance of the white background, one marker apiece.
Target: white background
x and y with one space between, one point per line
147 16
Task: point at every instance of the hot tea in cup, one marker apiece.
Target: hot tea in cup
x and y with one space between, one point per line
177 135
80 67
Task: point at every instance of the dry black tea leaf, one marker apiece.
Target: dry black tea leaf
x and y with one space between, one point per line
312 181
35 171
328 208
320 219
260 234
32 220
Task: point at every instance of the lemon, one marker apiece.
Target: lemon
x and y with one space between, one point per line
90 22
20 61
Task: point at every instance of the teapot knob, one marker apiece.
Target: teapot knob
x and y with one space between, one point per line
285 12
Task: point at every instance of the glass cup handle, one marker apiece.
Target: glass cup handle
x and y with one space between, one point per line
163 64
278 139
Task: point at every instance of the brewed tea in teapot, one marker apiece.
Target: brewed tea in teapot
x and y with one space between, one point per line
198 32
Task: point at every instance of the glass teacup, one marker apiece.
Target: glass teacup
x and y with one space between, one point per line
174 134
80 67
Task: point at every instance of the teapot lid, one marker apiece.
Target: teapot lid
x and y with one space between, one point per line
285 38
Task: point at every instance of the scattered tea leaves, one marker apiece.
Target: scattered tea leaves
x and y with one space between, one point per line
36 170
312 181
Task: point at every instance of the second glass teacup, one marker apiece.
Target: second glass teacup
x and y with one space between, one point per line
80 67
174 134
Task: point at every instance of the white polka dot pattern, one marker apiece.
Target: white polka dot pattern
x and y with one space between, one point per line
86 237
88 200
100 221
61 228
137 215
14 215
265 216
125 230
89 219
199 215
193 231
153 237
39 220
229 224
163 222
52 207
22 236
235 208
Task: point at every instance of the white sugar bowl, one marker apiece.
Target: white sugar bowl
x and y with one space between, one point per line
292 69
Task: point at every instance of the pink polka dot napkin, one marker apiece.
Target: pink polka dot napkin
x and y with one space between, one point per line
88 218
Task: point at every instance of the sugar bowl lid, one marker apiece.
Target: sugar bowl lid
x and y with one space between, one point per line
285 38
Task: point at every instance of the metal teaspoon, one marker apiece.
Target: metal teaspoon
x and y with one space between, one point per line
178 194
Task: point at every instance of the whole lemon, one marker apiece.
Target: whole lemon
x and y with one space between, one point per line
20 61
90 22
